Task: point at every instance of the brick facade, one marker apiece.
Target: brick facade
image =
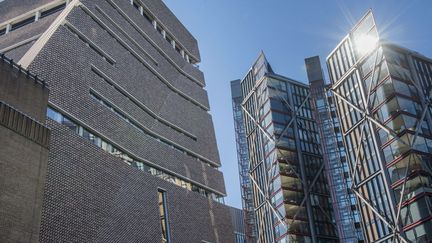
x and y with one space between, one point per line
150 103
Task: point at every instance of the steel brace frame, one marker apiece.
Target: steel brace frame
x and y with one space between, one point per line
394 225
265 192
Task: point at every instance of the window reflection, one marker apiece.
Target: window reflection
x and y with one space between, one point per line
398 104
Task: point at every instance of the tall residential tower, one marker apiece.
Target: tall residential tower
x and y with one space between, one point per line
345 209
290 192
383 99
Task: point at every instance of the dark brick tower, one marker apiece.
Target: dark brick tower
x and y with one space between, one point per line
133 155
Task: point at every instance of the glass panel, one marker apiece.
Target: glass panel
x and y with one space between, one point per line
52 10
396 57
399 72
368 65
413 187
396 148
397 171
397 104
163 216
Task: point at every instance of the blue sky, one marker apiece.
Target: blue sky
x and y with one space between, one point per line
231 33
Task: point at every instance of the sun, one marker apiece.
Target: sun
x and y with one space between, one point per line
365 43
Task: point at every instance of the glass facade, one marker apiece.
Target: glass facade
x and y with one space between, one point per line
334 155
243 164
290 192
240 238
382 95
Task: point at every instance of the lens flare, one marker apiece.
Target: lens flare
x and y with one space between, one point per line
365 43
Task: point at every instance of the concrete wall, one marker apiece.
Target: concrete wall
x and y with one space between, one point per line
23 154
22 93
22 176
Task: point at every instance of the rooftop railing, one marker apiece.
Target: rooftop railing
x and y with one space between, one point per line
22 70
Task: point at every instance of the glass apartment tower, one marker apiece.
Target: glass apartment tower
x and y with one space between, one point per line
243 163
382 95
334 155
290 192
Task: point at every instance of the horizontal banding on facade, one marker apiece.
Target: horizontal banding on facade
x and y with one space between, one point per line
139 158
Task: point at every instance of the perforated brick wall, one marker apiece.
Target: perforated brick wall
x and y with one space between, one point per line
91 196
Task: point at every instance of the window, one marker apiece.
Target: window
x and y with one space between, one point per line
400 72
381 73
169 39
52 10
163 216
177 48
420 233
108 147
159 29
135 4
147 16
397 104
372 60
23 23
396 57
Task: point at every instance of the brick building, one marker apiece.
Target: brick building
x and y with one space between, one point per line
133 154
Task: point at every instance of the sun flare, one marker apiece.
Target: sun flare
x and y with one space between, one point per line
365 43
